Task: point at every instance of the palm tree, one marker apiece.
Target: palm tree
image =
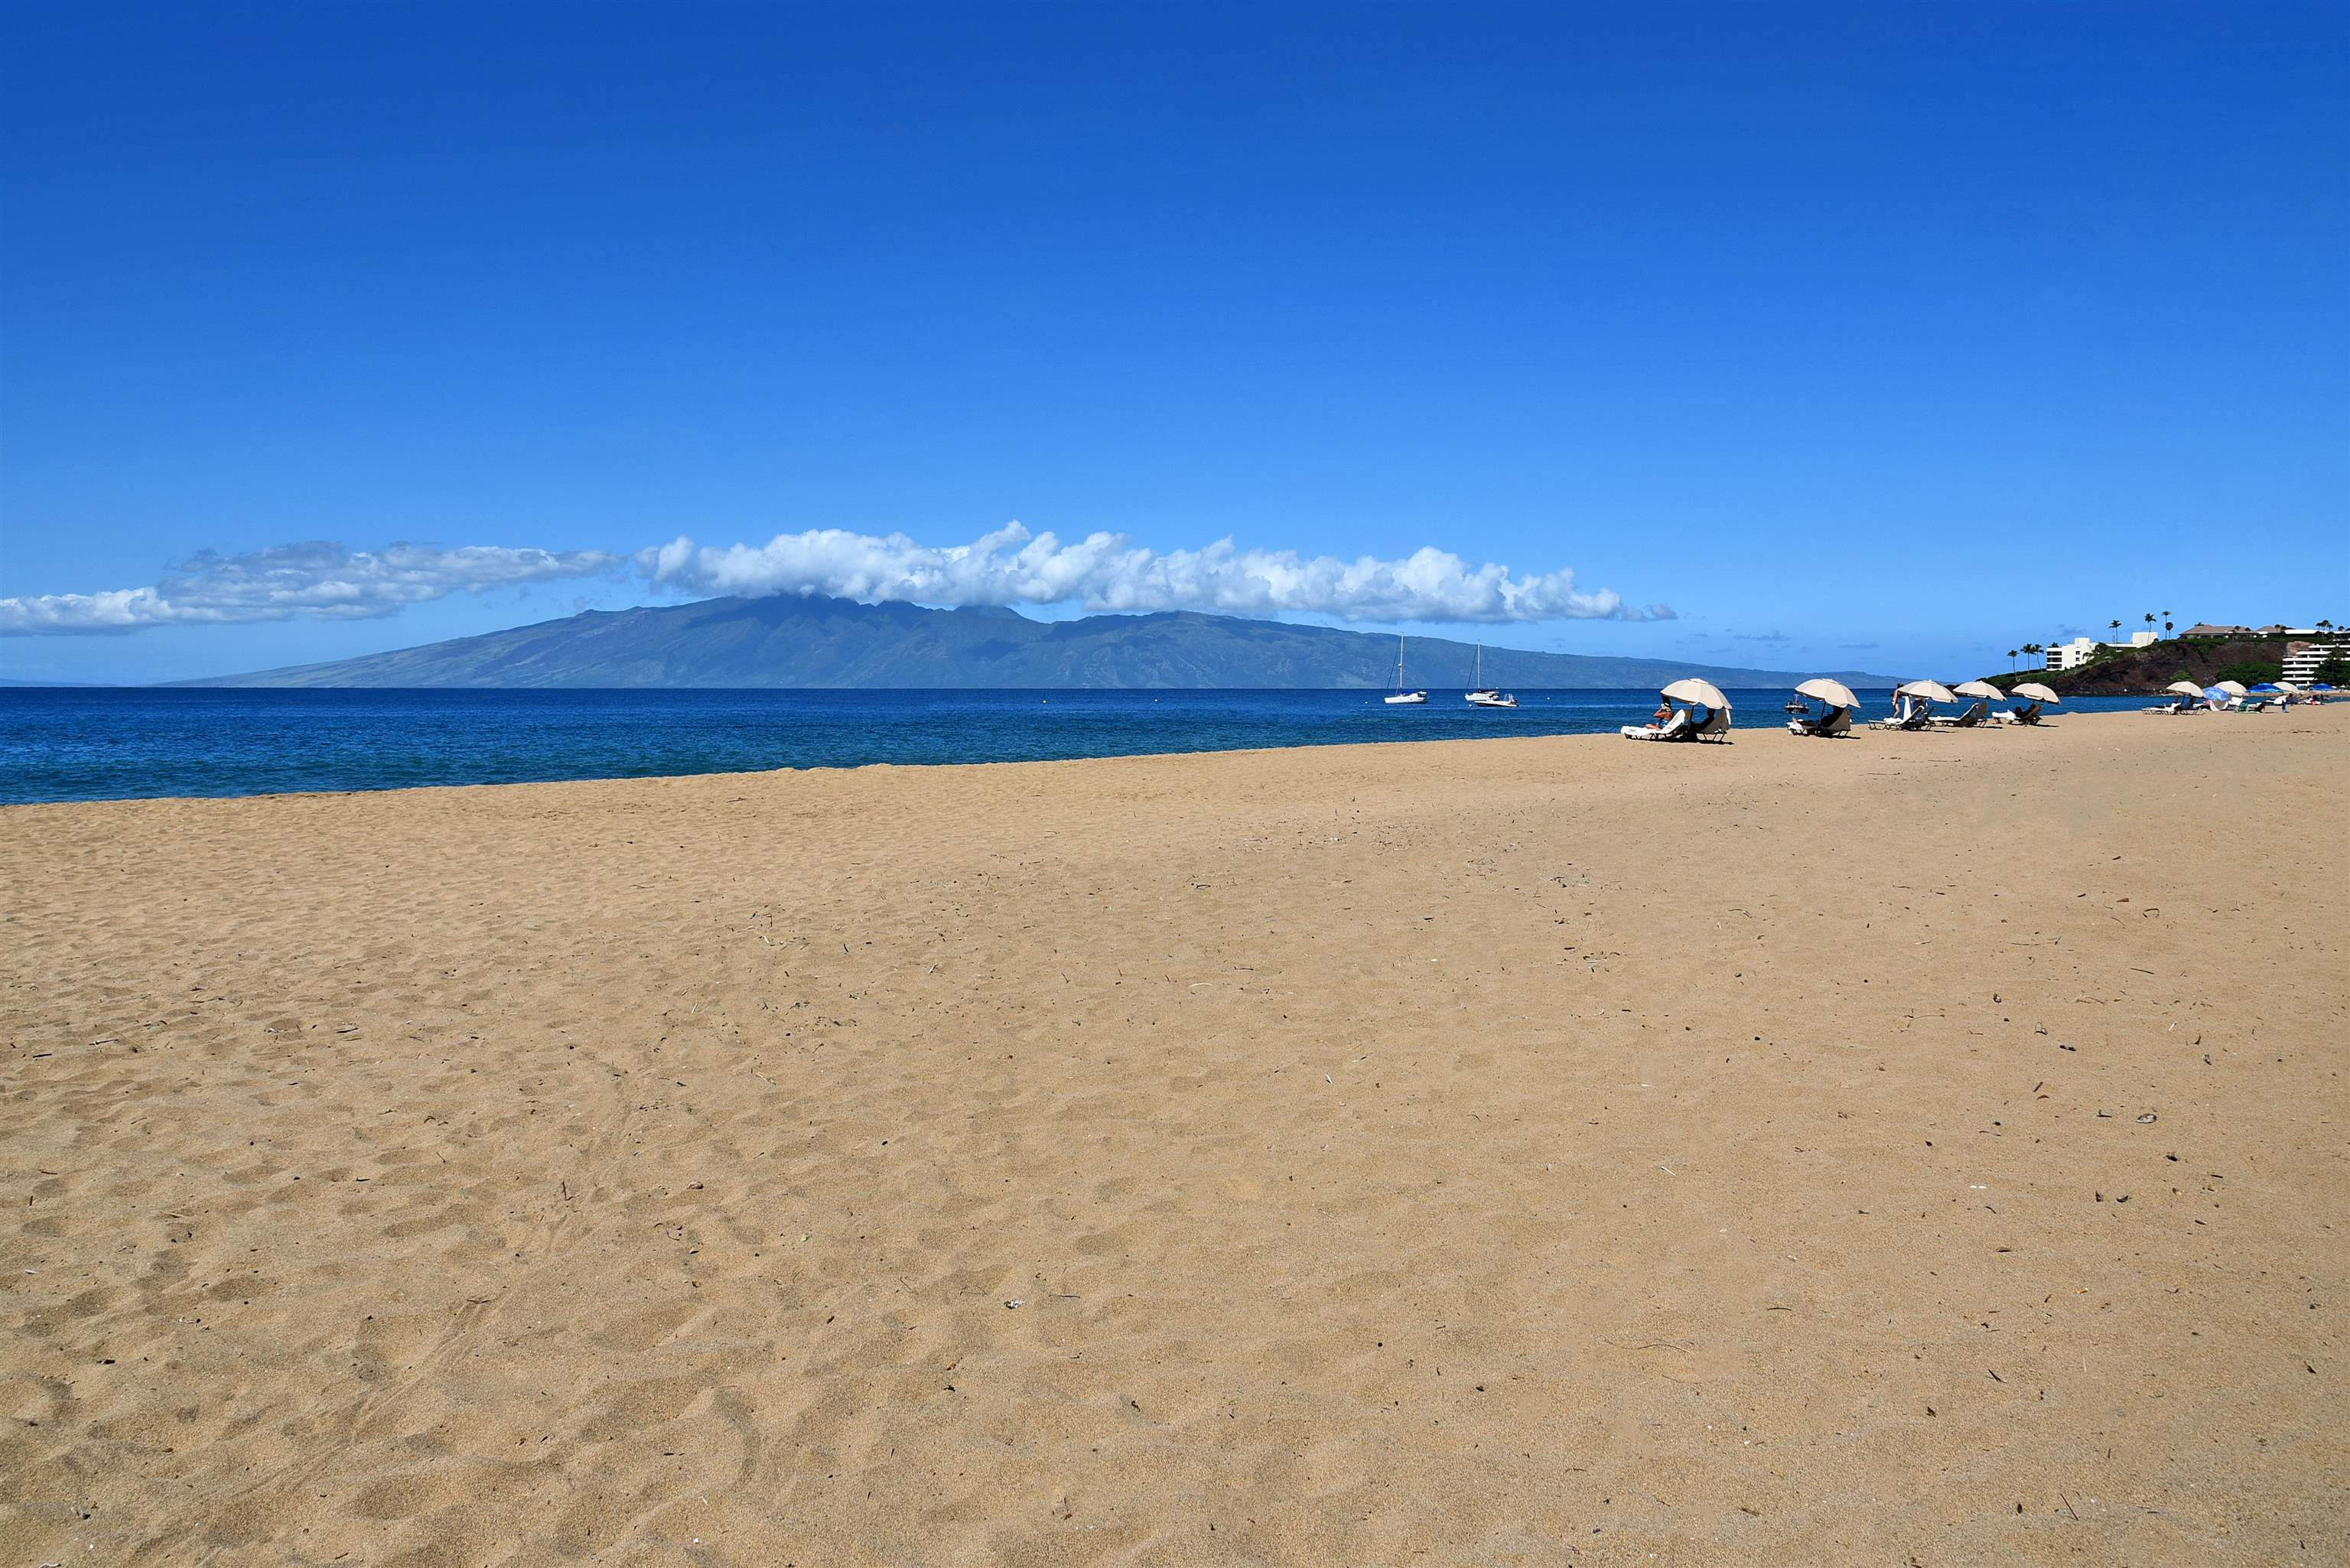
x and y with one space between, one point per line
2011 659
2149 617
2115 626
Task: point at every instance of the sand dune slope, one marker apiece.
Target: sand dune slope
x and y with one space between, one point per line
1913 1148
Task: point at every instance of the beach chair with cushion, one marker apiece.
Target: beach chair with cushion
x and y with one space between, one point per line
1676 728
1969 718
1715 728
1836 721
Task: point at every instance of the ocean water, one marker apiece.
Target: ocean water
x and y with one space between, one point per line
116 744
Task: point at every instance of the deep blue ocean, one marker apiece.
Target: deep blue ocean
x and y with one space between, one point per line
115 742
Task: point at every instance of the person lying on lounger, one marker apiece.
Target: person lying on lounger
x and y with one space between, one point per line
1675 728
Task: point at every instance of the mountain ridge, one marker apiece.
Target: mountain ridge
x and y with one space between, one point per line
837 644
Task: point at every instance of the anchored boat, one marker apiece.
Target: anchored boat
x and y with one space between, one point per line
1484 696
1401 696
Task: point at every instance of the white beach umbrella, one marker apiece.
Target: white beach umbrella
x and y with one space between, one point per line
2288 686
2232 688
1931 691
2032 692
1704 693
1980 689
2184 688
1835 693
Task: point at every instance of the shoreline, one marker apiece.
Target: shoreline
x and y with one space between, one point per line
1527 1152
1862 731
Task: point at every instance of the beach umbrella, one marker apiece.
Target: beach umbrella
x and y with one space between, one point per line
1980 689
2232 688
1702 693
1835 693
2032 692
2215 693
2268 686
2184 688
2323 686
1931 691
2288 686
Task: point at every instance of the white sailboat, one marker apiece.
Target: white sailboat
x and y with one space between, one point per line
1401 696
1484 696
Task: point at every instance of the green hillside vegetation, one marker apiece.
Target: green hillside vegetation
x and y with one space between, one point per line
2126 671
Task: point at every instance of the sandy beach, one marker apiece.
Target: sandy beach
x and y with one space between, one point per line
1918 1149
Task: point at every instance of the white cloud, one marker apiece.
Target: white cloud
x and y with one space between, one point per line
1010 566
321 581
1110 572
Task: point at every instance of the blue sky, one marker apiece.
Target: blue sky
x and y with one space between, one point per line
1886 337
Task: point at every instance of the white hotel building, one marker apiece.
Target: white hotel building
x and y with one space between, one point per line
2306 648
2074 654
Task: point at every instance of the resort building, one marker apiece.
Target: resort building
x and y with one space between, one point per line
2307 648
2081 650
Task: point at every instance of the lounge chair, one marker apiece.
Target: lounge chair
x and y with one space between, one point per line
1676 728
1837 722
1715 728
1919 716
2027 714
1969 718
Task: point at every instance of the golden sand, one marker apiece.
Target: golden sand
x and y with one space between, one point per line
1919 1148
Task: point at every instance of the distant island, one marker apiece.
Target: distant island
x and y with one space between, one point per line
789 641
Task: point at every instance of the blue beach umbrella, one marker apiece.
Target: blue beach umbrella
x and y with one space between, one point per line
2323 686
2268 686
2214 694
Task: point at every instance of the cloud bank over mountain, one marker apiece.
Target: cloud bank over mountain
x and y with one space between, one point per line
1100 573
1110 572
